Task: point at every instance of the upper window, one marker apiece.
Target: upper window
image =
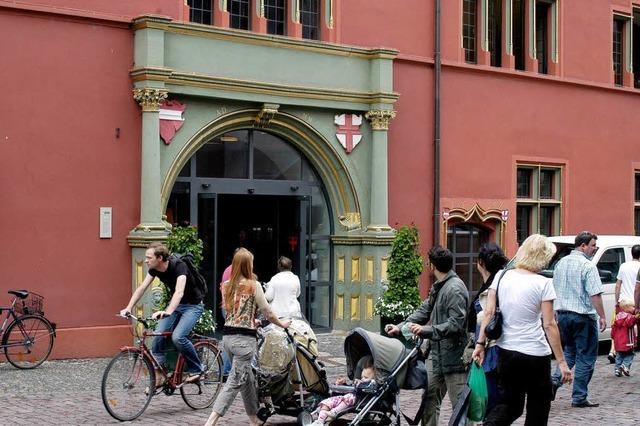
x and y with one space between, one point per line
310 19
542 36
239 14
275 12
469 31
618 30
495 32
517 33
538 200
636 48
200 11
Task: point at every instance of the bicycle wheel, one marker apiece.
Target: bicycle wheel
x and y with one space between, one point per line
28 341
128 384
202 394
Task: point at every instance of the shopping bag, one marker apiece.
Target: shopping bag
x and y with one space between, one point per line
479 393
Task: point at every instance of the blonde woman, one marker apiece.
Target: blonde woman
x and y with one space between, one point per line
524 364
241 295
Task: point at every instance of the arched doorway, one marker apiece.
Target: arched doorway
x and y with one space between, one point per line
253 189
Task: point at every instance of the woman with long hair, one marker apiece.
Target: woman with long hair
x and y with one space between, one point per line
241 295
524 363
491 259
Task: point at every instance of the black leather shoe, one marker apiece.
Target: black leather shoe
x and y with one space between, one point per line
584 404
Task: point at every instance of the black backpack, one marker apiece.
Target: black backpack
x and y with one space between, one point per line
198 279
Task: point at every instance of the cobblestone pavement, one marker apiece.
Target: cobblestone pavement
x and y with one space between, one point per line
68 393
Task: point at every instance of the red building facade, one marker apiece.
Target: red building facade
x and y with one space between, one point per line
537 100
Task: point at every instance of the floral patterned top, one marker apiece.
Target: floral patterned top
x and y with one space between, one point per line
247 297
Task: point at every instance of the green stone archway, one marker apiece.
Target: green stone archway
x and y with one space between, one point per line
311 143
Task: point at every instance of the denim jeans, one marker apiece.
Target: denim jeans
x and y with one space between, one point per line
180 322
579 334
624 358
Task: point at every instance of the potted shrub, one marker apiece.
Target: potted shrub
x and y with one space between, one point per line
184 239
402 297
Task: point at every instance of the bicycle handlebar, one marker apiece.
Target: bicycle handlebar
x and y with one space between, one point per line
143 321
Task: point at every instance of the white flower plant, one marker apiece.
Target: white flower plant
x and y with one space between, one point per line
401 298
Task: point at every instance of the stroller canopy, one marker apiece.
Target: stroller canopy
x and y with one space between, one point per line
387 353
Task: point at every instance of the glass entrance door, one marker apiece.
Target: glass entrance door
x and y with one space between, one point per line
249 188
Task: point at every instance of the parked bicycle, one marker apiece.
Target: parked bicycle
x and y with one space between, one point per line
129 381
28 339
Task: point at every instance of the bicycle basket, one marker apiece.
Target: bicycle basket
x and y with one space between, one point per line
32 304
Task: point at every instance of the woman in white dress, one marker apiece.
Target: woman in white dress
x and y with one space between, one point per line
283 291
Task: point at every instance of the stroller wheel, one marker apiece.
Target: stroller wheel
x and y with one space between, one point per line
263 414
304 418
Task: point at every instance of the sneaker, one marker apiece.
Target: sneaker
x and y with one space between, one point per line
194 378
611 357
585 404
617 372
625 370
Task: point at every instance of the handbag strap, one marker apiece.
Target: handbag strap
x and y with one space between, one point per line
498 287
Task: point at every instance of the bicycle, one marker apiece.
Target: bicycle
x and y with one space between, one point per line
129 380
28 339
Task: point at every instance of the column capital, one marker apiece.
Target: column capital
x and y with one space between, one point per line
150 98
380 118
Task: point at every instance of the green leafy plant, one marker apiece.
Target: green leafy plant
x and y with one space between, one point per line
184 239
402 297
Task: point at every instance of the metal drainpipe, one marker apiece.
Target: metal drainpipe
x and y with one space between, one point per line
436 133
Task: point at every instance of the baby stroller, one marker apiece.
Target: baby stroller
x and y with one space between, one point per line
397 367
291 381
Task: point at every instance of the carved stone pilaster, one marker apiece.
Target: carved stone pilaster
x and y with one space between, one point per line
380 118
150 98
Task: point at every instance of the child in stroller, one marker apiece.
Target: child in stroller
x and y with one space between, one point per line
330 408
395 367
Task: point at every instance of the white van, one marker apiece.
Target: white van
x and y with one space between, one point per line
612 251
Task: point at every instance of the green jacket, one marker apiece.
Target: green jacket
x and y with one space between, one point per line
446 309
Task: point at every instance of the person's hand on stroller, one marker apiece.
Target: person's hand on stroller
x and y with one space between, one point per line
285 323
391 329
424 331
341 381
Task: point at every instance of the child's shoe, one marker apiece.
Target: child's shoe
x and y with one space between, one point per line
617 372
625 370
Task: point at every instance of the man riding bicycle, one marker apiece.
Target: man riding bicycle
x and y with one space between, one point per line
184 310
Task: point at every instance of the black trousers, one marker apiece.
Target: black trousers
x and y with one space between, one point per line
521 375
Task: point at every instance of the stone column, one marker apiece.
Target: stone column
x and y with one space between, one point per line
150 181
379 219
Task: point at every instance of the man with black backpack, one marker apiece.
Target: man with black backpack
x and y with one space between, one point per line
184 309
